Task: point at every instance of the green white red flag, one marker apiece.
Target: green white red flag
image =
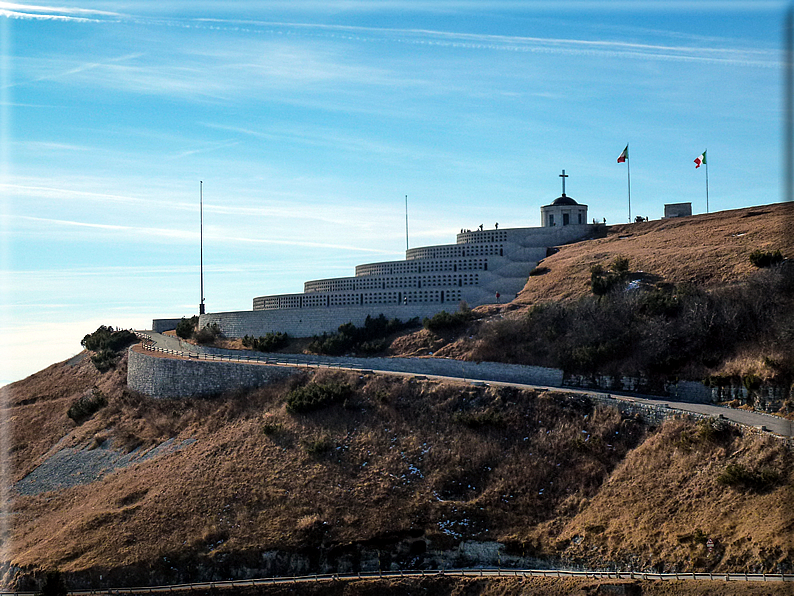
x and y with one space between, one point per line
700 160
624 156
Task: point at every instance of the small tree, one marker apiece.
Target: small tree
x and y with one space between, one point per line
186 327
761 258
207 334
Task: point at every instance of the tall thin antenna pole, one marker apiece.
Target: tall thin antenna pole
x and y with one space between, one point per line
201 244
406 222
628 172
788 98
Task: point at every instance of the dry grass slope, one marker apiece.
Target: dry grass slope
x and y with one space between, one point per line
400 472
707 250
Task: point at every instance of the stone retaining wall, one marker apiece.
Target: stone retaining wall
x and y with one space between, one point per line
173 377
688 391
163 325
685 391
477 371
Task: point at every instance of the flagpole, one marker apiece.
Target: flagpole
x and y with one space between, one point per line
628 171
406 222
707 185
201 244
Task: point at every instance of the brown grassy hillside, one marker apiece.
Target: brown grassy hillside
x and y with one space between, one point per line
401 474
707 250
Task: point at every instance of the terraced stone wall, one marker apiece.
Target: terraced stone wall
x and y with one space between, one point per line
307 322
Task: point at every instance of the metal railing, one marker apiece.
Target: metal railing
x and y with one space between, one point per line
281 360
479 572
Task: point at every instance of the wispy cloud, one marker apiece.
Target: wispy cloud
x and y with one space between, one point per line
723 54
53 13
209 234
207 148
328 210
50 146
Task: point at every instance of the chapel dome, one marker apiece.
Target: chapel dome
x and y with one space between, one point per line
564 200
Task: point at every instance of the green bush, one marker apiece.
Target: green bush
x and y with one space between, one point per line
620 265
267 343
107 343
737 476
106 338
207 334
186 327
317 446
539 271
87 405
603 282
761 258
445 321
105 359
370 338
752 382
714 430
660 301
271 427
316 396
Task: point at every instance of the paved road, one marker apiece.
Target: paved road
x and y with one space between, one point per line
413 367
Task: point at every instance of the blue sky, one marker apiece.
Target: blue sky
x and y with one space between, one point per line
310 121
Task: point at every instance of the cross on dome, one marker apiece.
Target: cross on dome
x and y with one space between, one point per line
563 176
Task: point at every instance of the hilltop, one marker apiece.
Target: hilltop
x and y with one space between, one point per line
708 250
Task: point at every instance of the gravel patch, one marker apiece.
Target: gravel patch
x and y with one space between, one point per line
71 466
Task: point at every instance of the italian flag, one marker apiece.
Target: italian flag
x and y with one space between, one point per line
700 160
624 156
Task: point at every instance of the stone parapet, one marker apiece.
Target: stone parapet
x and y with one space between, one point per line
175 377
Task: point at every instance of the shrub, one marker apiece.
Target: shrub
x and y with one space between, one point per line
620 265
272 427
445 321
714 430
761 258
737 476
267 343
105 359
751 382
207 334
539 271
316 396
659 301
186 327
369 339
317 446
87 405
54 585
107 343
603 282
106 338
